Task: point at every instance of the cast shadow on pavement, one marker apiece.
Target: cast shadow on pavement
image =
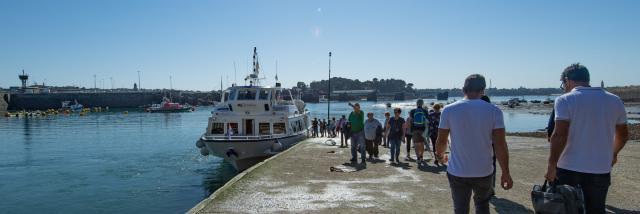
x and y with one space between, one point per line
507 206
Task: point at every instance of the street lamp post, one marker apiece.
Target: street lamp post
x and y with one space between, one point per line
329 96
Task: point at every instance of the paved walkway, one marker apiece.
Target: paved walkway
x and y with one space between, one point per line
300 180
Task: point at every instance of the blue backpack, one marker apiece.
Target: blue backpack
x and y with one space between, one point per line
419 118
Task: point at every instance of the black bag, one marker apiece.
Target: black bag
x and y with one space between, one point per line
557 199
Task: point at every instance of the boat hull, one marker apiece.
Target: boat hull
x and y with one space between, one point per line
244 154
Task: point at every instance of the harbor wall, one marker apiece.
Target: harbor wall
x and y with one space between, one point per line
54 100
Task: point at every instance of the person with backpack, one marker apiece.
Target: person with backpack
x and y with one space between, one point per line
419 121
395 134
590 130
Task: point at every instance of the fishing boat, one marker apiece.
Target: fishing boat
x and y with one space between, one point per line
323 99
254 122
166 106
75 107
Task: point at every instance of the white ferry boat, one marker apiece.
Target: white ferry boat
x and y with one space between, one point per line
254 122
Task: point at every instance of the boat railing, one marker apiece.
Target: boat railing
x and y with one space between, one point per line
241 137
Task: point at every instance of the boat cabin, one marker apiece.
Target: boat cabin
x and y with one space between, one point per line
251 112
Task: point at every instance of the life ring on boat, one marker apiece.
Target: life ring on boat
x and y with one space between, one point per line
199 144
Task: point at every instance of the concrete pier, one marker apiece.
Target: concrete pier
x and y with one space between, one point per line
300 181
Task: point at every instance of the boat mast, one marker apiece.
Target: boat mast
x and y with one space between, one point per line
254 77
170 89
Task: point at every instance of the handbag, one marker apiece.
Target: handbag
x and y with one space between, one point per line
557 199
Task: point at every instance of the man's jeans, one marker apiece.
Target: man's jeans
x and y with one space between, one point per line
594 187
461 189
357 144
394 144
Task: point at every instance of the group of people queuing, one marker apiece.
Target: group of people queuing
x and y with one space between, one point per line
367 134
587 131
322 127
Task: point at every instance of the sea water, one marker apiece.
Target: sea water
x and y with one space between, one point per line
106 163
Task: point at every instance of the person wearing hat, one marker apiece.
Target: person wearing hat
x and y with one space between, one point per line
419 121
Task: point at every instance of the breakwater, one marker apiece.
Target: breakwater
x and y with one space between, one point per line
43 101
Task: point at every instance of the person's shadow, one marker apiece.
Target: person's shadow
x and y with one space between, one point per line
433 169
618 210
375 160
504 205
403 165
356 166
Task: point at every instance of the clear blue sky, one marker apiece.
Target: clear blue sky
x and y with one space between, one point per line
433 44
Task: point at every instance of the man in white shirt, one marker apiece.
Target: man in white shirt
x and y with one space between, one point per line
590 130
473 123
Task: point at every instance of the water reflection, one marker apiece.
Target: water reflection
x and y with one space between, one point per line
216 176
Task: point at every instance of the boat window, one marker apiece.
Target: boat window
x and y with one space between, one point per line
279 95
264 129
232 95
247 94
278 128
264 94
217 128
234 127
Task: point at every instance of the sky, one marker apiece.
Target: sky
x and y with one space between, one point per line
433 44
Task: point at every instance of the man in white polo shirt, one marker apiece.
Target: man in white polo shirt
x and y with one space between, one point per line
590 130
473 123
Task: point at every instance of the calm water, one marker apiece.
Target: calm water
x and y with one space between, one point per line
106 163
135 163
515 121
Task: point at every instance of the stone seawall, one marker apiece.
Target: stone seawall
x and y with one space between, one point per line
103 99
54 100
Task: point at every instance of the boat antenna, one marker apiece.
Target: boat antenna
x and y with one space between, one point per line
277 83
170 88
329 96
235 75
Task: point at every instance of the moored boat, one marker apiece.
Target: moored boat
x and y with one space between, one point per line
252 123
166 106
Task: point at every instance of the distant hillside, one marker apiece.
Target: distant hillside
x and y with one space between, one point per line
626 93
